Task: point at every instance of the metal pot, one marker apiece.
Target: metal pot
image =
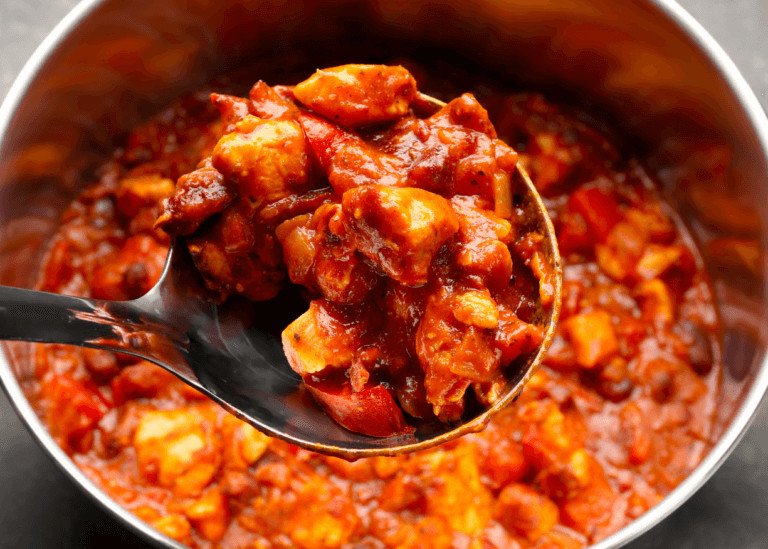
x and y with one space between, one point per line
645 66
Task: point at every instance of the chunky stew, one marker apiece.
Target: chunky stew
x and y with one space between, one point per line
403 232
621 412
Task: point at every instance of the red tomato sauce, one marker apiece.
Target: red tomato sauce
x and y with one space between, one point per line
620 413
408 260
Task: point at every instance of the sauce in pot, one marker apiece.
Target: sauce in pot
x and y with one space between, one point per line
620 413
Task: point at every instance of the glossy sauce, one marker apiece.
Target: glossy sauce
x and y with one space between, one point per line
408 259
621 412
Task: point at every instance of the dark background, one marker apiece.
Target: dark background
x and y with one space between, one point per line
41 508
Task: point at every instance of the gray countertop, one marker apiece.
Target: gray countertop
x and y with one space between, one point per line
40 508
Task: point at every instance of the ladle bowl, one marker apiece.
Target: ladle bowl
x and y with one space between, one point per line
232 352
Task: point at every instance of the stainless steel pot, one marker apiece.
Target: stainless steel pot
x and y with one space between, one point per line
645 66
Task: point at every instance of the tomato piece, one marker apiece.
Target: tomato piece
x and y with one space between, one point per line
76 406
371 411
573 234
599 210
58 266
142 380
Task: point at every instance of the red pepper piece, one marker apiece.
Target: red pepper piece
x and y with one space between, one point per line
323 137
76 406
599 210
233 109
372 411
573 234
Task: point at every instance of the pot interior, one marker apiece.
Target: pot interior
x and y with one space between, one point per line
625 63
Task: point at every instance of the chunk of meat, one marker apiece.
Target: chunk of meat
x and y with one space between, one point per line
547 441
174 526
456 491
454 351
522 509
638 434
483 240
323 337
593 337
324 262
232 109
179 449
243 444
400 230
466 111
567 477
504 461
624 246
299 242
599 210
451 355
256 273
265 102
266 158
477 308
353 95
102 365
656 302
514 337
141 380
441 154
658 260
198 195
595 507
209 514
135 193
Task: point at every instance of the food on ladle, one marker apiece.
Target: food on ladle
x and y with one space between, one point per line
405 233
599 436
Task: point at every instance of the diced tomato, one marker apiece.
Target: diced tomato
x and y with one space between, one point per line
599 210
515 337
58 268
76 406
372 411
573 234
142 380
591 508
504 462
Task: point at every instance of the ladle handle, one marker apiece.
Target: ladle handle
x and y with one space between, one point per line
29 315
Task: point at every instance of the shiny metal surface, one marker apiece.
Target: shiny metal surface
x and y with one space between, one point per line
232 353
647 64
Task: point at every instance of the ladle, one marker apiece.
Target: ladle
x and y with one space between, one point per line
232 352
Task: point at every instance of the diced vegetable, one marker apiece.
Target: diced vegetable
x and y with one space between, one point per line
321 323
372 411
592 336
525 510
599 210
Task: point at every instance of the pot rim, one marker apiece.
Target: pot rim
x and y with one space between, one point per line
8 379
708 466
